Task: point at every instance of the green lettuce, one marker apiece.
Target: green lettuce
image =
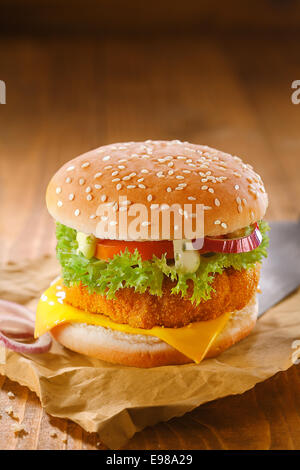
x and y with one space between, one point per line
128 270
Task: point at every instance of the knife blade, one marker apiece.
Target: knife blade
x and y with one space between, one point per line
280 273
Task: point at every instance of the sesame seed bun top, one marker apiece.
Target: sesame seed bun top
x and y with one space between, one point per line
156 172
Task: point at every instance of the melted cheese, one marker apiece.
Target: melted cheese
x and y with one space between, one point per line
193 340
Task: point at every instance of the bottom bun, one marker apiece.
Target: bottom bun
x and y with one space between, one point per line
148 351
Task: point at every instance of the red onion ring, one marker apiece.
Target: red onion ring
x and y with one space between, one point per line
14 308
230 245
17 321
41 345
16 327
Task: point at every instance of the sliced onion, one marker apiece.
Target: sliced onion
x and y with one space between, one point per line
17 321
41 345
14 308
234 245
16 327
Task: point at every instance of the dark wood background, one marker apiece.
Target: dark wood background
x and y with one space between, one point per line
78 79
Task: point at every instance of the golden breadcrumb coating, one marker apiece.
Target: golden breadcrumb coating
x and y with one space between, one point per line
233 291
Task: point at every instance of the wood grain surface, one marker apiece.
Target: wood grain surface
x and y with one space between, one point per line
67 95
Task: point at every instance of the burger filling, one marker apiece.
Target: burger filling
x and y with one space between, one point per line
142 285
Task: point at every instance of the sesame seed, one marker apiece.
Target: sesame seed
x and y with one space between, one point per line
140 180
217 202
115 180
123 160
132 175
183 185
236 186
204 188
169 189
170 164
149 197
85 165
114 173
224 225
89 197
142 186
244 201
68 179
119 186
103 198
81 181
59 203
186 171
238 200
191 198
88 189
126 178
217 222
170 172
71 197
131 186
98 174
77 212
58 190
70 168
106 158
98 186
121 167
144 171
240 209
207 208
92 216
160 174
211 190
179 177
108 167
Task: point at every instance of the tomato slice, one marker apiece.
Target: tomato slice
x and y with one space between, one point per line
107 249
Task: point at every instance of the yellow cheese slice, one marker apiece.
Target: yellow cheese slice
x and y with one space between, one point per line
193 340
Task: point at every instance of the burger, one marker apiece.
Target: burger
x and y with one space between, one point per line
132 292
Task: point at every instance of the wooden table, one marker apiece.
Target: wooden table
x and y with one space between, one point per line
68 95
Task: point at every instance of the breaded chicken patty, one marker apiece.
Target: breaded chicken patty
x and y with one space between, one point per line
232 291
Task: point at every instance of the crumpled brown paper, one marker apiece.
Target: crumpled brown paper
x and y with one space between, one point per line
117 401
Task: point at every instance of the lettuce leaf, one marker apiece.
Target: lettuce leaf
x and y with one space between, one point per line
128 270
